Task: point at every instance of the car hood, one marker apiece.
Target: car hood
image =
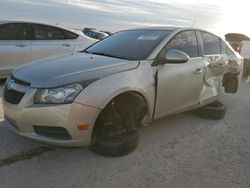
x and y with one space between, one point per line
70 68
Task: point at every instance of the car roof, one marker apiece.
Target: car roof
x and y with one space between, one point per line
171 28
167 28
41 23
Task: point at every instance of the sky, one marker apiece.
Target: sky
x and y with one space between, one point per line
219 16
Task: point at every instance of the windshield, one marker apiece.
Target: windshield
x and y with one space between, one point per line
129 45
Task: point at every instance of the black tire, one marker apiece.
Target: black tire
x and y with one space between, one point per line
230 83
214 111
119 146
116 131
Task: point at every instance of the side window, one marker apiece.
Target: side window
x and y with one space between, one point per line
223 47
211 44
186 42
14 32
42 32
69 35
229 52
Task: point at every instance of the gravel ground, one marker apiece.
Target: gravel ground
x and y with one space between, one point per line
177 151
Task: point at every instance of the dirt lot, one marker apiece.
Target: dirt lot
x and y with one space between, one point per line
177 151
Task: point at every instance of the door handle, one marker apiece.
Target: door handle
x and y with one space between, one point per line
198 71
21 45
66 45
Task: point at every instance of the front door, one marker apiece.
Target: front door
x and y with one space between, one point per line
49 41
179 85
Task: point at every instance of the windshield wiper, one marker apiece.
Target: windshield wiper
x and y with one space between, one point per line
104 54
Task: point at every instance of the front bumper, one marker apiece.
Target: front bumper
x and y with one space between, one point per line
22 119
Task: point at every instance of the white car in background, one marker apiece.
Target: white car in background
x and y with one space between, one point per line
21 42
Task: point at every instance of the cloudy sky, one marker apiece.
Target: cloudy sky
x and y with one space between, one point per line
215 15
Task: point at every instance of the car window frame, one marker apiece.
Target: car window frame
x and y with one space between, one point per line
165 46
202 43
28 37
61 30
229 51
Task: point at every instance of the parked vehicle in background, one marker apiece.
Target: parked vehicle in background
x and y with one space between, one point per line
244 51
87 29
97 34
235 39
21 42
102 94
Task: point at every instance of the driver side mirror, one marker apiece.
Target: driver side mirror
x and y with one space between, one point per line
175 57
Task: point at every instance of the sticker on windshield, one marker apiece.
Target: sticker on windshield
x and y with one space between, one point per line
148 38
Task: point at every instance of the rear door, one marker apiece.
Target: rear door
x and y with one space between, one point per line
215 65
49 41
179 85
14 46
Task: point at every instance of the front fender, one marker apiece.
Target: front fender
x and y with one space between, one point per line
102 91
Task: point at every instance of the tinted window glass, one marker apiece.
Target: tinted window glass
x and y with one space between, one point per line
185 42
211 44
101 35
90 34
69 35
14 32
223 47
229 51
130 45
43 32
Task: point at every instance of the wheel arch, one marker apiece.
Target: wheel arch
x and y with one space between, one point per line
140 96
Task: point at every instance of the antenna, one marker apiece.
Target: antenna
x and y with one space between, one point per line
59 22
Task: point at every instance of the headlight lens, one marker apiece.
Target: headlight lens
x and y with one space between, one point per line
65 94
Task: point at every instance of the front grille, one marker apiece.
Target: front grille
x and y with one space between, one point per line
52 132
11 96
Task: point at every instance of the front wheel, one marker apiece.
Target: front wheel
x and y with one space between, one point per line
116 131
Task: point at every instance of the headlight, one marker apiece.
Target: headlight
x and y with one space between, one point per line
65 94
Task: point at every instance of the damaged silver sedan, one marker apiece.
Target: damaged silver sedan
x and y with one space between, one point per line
101 96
